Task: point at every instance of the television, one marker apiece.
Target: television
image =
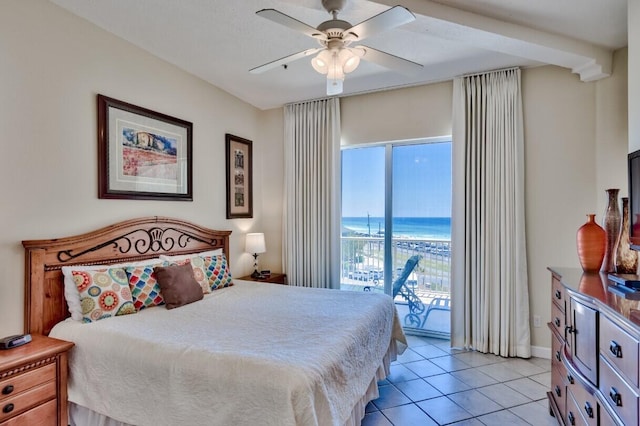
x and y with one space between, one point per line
634 199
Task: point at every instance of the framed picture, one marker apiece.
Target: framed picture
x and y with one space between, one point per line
239 177
142 154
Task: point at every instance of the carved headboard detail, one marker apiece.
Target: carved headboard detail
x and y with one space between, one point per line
128 241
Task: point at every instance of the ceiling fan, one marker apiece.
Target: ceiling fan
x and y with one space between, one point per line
337 56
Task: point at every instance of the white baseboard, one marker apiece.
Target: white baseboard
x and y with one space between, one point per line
541 352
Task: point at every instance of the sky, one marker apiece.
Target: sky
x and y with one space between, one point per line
421 176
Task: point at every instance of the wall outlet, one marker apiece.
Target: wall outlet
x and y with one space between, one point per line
536 320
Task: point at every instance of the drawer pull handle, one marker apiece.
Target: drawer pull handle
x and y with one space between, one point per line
570 378
571 418
557 322
615 349
558 391
569 329
558 295
7 389
8 408
558 355
588 409
615 397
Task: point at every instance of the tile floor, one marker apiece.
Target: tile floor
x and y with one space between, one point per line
432 384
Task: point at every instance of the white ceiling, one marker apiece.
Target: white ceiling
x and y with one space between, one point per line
220 40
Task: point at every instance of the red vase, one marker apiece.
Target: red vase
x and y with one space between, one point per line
591 240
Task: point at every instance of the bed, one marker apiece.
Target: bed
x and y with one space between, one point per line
249 353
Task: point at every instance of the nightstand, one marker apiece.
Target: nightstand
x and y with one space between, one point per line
33 383
273 278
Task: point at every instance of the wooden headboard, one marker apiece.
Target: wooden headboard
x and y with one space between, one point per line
128 241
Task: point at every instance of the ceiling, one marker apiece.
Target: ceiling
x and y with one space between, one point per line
219 41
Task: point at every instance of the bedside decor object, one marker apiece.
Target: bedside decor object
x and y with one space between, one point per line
591 240
142 154
626 258
239 162
255 245
611 225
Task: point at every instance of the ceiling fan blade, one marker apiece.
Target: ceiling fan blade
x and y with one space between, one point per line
390 18
388 60
284 61
289 22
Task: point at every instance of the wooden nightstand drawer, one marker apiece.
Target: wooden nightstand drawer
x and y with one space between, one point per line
21 402
14 385
273 279
44 415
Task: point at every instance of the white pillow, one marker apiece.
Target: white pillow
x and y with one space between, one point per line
180 257
71 293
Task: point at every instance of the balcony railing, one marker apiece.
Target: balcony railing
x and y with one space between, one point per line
363 267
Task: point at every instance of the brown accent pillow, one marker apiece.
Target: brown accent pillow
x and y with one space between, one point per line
178 285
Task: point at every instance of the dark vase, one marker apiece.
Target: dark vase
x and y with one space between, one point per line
626 259
591 240
611 225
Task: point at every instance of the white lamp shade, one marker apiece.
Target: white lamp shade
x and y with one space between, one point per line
255 243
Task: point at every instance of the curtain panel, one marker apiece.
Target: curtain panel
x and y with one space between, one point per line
311 228
490 309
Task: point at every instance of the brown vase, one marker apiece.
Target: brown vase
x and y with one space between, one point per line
591 240
611 225
626 259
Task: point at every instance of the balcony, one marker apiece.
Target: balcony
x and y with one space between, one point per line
363 270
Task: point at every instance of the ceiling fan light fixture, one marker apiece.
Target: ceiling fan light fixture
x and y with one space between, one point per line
349 60
321 62
334 86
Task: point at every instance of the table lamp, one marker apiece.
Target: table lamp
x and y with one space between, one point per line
254 244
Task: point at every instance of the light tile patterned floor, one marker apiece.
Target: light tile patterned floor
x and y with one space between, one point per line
431 384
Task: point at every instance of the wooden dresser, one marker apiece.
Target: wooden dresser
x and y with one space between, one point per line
33 383
595 351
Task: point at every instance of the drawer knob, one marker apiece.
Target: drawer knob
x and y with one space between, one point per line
557 322
8 408
558 355
615 349
615 397
558 391
571 418
570 378
588 409
569 329
7 389
558 295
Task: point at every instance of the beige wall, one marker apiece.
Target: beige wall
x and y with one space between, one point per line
52 65
575 148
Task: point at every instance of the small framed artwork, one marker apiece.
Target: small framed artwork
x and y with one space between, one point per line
142 154
239 177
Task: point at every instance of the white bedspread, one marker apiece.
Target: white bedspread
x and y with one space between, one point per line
251 354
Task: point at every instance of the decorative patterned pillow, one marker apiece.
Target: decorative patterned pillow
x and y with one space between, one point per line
217 271
144 285
199 271
103 293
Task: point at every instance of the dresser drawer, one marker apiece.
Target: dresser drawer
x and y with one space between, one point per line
574 416
557 293
14 385
21 402
557 346
44 415
619 395
557 319
559 389
586 404
620 349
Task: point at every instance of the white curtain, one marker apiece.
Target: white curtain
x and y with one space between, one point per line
490 299
311 228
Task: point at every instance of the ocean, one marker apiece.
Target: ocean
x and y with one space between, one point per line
432 228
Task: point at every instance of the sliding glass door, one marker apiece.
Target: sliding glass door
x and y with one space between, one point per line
396 201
